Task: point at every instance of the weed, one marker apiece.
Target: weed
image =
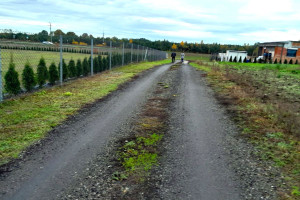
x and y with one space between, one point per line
68 94
295 191
119 176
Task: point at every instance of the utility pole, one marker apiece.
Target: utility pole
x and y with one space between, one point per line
50 32
103 36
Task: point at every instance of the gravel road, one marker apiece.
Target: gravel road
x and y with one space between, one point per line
202 154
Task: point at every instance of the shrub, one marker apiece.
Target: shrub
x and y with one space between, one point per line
28 78
285 61
296 62
230 59
72 68
100 64
53 74
240 60
12 83
42 72
96 65
291 62
275 62
78 68
245 60
235 59
65 70
85 67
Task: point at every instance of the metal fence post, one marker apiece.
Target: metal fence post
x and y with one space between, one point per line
146 54
137 57
92 60
110 55
123 55
131 52
1 93
61 61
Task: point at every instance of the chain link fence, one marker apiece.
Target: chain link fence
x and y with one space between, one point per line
64 62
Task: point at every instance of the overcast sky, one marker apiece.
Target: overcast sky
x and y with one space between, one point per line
222 21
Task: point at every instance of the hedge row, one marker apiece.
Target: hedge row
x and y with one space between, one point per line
262 61
71 70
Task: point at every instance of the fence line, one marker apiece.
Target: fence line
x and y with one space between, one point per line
102 57
1 86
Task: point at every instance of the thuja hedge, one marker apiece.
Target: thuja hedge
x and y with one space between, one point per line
51 75
70 70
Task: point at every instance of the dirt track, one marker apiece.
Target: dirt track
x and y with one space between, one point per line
202 155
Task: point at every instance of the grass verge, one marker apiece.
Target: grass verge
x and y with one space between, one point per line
28 118
268 123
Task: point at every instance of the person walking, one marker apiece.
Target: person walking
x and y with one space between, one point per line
173 55
182 56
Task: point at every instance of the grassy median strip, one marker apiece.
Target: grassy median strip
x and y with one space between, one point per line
26 119
269 121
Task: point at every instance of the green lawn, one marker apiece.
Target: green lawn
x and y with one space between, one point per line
281 69
28 118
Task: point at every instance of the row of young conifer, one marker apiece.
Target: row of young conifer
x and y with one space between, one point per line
263 61
71 70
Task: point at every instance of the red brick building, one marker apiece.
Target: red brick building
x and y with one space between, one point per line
289 50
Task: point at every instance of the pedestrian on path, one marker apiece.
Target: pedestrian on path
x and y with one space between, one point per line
173 55
182 56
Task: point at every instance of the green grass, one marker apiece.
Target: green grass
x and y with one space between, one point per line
282 69
28 118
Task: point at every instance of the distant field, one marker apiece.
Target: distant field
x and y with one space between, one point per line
192 56
280 69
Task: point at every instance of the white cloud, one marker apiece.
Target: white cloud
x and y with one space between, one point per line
238 21
269 36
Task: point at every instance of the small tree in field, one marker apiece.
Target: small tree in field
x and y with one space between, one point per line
235 59
53 74
78 68
72 69
42 72
28 77
291 62
240 60
65 70
285 61
245 60
230 59
275 62
85 66
12 83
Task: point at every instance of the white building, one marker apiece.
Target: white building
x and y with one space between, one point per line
232 53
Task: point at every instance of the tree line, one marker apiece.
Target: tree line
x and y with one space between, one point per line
163 45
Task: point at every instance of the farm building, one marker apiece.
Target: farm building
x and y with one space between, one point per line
233 54
285 50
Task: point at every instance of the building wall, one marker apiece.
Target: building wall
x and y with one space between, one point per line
235 54
278 55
